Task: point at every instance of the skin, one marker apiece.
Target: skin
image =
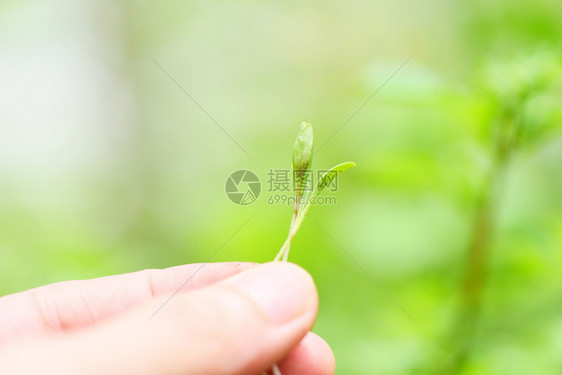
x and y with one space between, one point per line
230 318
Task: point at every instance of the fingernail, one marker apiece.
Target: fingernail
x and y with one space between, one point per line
284 291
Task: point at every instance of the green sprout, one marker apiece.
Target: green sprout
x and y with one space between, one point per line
305 193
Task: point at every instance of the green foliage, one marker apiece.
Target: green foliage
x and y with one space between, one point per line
311 194
526 88
305 195
302 151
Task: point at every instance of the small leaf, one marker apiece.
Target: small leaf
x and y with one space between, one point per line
302 155
331 174
322 183
302 150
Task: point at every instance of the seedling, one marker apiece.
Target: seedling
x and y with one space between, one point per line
305 193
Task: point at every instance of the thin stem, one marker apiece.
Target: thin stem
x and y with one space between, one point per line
283 250
463 332
283 253
286 253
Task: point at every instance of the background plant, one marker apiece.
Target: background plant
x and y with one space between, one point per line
514 125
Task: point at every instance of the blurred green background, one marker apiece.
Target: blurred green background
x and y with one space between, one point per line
106 166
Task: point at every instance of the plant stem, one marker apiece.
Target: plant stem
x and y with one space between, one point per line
464 331
283 253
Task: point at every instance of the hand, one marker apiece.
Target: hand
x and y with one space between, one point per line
230 318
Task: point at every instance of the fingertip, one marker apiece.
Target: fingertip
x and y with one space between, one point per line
327 360
284 291
246 322
313 356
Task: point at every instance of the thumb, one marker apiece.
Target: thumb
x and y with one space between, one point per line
241 325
